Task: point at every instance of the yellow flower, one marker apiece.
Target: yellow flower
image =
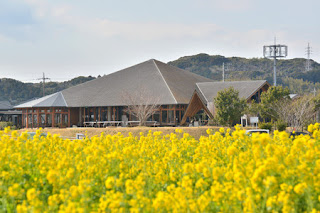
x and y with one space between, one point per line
31 194
110 182
52 176
300 188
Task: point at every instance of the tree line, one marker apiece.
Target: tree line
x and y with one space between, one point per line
290 72
17 92
275 107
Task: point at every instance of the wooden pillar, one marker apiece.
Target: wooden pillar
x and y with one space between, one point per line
37 113
160 115
174 115
27 120
84 114
69 117
114 113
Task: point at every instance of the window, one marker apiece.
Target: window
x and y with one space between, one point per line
57 118
104 114
156 116
35 120
49 120
43 118
30 120
65 119
164 117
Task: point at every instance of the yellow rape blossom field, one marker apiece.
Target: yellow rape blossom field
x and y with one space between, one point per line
220 172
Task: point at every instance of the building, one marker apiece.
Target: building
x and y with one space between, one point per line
8 114
102 101
205 92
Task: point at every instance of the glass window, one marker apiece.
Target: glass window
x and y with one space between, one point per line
156 116
35 120
49 120
24 121
164 116
104 114
42 110
97 114
43 118
48 110
57 118
91 114
65 119
29 120
170 116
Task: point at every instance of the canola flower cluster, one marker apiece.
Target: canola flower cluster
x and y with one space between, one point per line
220 172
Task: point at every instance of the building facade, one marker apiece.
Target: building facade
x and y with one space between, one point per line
104 101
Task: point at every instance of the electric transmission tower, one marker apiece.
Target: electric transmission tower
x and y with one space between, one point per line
308 61
275 51
43 83
225 67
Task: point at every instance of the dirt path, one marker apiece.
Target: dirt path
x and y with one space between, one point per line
196 132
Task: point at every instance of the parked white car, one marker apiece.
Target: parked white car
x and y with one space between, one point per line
250 131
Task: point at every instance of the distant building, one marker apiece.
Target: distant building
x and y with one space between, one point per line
101 100
8 114
203 96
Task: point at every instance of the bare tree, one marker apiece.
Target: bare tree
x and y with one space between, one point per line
303 111
141 104
296 113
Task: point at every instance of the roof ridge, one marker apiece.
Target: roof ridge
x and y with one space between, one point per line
64 100
106 75
221 82
183 70
164 81
202 92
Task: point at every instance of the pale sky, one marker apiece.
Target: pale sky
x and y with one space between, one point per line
66 39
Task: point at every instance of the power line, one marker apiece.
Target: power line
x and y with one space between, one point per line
43 83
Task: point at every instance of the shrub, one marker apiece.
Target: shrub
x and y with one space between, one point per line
5 124
281 125
265 126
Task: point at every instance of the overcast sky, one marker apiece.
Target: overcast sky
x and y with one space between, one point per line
66 39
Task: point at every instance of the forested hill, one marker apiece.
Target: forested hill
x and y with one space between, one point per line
17 92
290 72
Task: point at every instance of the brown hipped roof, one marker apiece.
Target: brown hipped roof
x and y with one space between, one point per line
170 84
209 90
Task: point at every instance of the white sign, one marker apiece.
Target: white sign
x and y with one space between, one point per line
254 120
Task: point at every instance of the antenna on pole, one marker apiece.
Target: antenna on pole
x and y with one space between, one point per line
43 83
308 62
275 51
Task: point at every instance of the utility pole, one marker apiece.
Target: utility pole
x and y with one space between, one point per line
275 51
314 91
43 83
223 72
308 62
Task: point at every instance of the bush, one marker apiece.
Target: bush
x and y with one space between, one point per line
265 126
5 124
281 126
